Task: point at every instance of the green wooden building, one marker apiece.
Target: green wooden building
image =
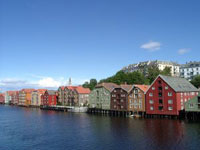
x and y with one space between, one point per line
193 105
100 97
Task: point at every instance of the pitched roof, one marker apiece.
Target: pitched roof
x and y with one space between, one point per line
28 90
42 91
12 92
108 86
71 87
51 92
144 88
179 84
62 87
126 87
82 90
2 94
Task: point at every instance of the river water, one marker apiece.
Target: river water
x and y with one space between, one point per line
35 129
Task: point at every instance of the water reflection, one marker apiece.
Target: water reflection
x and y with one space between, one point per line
25 128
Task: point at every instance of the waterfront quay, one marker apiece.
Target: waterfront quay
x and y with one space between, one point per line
166 97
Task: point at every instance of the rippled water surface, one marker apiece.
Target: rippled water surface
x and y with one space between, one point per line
34 129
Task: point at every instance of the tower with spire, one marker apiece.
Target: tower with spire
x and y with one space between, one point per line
70 82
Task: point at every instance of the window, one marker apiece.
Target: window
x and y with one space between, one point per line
151 108
160 94
166 88
160 107
160 88
150 94
191 106
140 95
169 93
122 95
114 106
121 100
114 100
113 95
150 101
170 108
160 101
159 81
153 88
115 91
170 101
122 106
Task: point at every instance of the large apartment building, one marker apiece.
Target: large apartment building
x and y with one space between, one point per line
143 67
190 70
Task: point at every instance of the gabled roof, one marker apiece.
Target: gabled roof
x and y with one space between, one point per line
41 91
108 86
51 92
144 88
71 87
11 92
28 90
2 94
126 87
82 90
179 84
62 87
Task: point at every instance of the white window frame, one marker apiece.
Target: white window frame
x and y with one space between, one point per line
170 101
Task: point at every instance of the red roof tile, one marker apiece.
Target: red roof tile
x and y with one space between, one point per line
42 91
82 90
144 88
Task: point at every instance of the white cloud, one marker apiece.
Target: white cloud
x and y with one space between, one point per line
49 82
182 51
38 82
151 46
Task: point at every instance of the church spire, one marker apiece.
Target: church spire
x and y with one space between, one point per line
70 82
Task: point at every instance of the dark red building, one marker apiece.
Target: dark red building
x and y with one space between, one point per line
167 95
119 97
49 98
2 98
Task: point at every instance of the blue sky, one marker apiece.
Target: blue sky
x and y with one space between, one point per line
44 42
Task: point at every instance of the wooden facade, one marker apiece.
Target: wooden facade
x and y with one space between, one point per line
2 98
193 105
100 97
49 98
166 95
119 97
136 98
36 97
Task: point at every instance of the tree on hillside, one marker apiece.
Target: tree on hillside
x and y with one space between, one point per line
166 71
91 85
196 81
153 72
129 78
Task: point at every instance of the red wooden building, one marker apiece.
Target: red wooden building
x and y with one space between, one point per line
167 95
49 98
119 97
2 98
